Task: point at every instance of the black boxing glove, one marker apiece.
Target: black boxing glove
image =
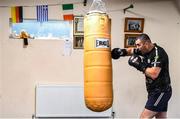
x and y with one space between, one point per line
138 63
116 53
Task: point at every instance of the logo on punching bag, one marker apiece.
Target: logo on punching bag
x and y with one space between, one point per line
102 43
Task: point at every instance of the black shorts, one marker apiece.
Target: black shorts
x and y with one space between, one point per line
158 101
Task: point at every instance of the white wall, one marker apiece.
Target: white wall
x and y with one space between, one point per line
42 61
1 30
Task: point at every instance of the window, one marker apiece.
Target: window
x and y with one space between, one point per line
53 29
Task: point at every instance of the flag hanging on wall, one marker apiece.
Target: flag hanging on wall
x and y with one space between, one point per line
42 13
17 14
68 11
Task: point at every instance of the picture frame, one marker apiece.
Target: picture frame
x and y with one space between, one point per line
135 25
129 40
78 25
78 42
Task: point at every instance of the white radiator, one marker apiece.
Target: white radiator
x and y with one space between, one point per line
63 101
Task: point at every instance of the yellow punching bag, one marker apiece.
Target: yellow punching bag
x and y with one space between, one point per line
98 92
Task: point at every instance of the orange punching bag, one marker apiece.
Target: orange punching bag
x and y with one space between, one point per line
98 92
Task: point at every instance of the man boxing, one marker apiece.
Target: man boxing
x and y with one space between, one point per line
153 61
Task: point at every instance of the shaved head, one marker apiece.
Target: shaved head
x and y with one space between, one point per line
144 37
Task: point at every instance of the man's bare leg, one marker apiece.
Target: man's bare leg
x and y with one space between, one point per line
161 115
147 114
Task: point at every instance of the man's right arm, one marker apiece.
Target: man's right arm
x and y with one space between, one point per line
116 53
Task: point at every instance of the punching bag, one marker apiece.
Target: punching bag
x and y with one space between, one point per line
98 91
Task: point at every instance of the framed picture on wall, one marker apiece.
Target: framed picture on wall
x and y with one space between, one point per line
78 25
78 42
135 25
129 40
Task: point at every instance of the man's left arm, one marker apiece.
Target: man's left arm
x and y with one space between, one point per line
156 65
152 72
